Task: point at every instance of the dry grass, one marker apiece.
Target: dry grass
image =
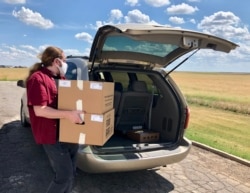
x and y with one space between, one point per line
223 91
13 73
220 109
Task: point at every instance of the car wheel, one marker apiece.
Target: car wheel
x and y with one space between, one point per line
23 118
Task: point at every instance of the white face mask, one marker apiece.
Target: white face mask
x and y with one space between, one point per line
63 69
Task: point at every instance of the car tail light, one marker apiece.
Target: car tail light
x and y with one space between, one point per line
187 118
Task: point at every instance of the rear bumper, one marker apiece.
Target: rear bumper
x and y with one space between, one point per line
92 163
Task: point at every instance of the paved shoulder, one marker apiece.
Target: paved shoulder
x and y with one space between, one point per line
10 98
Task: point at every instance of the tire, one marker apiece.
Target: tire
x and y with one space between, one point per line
23 118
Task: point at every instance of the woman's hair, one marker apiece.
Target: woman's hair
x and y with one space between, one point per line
46 57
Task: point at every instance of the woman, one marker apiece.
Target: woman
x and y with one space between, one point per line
42 98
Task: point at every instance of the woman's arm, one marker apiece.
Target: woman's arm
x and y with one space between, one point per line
51 113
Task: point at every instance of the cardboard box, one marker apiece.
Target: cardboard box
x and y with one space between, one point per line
143 136
90 96
96 130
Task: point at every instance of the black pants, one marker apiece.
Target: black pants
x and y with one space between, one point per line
62 157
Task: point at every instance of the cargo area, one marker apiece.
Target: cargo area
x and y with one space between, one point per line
147 111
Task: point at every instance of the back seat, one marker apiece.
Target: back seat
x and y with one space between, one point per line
133 107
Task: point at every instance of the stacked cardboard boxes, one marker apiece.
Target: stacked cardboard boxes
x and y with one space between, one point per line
94 98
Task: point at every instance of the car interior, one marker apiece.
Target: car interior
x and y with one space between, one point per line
143 102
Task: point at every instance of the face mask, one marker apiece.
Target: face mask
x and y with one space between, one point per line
63 69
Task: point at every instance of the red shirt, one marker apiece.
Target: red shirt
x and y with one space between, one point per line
42 91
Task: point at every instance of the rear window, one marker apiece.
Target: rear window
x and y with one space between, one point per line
127 44
71 73
123 78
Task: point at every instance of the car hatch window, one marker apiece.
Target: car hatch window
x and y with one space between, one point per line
127 44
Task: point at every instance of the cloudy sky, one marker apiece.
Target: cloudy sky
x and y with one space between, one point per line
28 26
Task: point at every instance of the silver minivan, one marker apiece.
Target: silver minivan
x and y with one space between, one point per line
147 101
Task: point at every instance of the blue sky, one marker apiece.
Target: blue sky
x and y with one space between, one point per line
28 26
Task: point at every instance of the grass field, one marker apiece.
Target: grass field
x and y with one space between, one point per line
220 110
13 73
219 90
219 104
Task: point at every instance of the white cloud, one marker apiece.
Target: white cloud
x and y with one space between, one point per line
132 2
224 24
32 18
220 18
26 55
16 56
192 21
176 20
153 3
98 25
181 9
17 52
157 3
15 1
136 16
115 15
30 48
75 52
228 26
84 36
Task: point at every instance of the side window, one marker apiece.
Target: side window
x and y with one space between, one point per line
152 87
71 73
121 77
149 82
97 76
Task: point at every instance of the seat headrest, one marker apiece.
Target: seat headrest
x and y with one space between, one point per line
139 86
118 86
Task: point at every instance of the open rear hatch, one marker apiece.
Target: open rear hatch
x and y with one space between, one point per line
149 44
136 50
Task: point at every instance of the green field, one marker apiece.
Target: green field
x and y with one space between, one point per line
219 104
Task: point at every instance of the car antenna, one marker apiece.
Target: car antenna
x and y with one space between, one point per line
182 62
